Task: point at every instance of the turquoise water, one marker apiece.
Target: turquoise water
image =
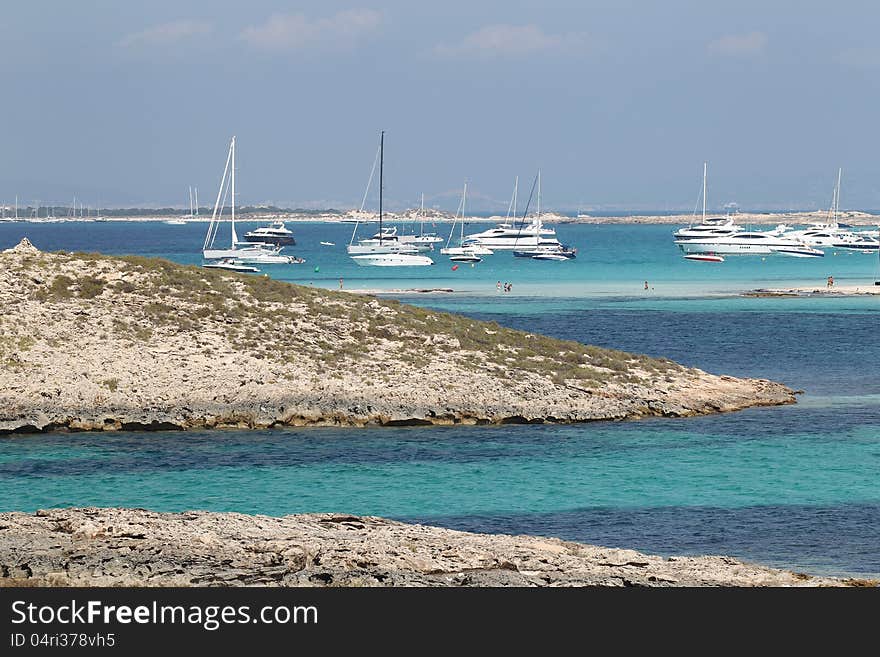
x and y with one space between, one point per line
793 486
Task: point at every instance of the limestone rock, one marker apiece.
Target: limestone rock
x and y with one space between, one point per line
134 547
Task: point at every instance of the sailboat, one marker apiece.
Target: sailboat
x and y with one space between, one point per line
545 247
423 241
511 236
468 250
384 250
708 227
241 252
181 221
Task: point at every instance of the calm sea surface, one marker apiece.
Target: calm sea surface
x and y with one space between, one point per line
795 486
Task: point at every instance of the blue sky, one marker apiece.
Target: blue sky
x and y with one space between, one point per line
618 102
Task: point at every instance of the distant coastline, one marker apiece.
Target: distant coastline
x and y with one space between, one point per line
854 218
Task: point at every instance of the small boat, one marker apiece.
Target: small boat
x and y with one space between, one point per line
465 257
175 222
230 265
704 257
328 244
559 251
268 259
800 251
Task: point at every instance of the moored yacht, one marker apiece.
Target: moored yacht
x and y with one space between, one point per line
508 236
241 251
468 249
423 241
709 226
392 260
384 241
275 233
384 249
749 243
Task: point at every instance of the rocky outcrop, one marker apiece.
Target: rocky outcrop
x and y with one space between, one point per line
133 547
90 342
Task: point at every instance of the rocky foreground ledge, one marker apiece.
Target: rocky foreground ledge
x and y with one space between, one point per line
91 342
133 547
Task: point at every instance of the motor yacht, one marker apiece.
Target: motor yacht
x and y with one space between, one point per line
275 233
747 243
508 236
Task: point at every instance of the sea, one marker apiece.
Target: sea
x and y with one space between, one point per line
795 487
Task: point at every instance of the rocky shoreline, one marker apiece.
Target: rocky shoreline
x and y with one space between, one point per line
91 342
135 547
812 291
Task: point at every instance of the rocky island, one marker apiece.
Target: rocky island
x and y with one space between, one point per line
93 342
133 547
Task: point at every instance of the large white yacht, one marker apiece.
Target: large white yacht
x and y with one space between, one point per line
508 236
750 242
392 260
835 236
711 227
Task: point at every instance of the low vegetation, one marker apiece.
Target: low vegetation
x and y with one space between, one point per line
142 299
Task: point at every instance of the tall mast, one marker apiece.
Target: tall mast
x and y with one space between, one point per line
515 190
234 236
381 181
463 201
218 210
837 195
422 224
190 202
539 202
705 167
197 201
16 207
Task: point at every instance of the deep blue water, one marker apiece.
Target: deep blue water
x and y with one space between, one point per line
793 486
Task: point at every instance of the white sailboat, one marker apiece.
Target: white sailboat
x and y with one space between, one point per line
240 251
181 221
834 234
468 250
423 241
382 251
711 227
545 247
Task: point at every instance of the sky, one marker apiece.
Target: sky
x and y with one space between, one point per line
617 102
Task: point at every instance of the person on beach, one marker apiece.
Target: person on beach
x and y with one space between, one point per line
498 286
646 285
830 281
340 283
